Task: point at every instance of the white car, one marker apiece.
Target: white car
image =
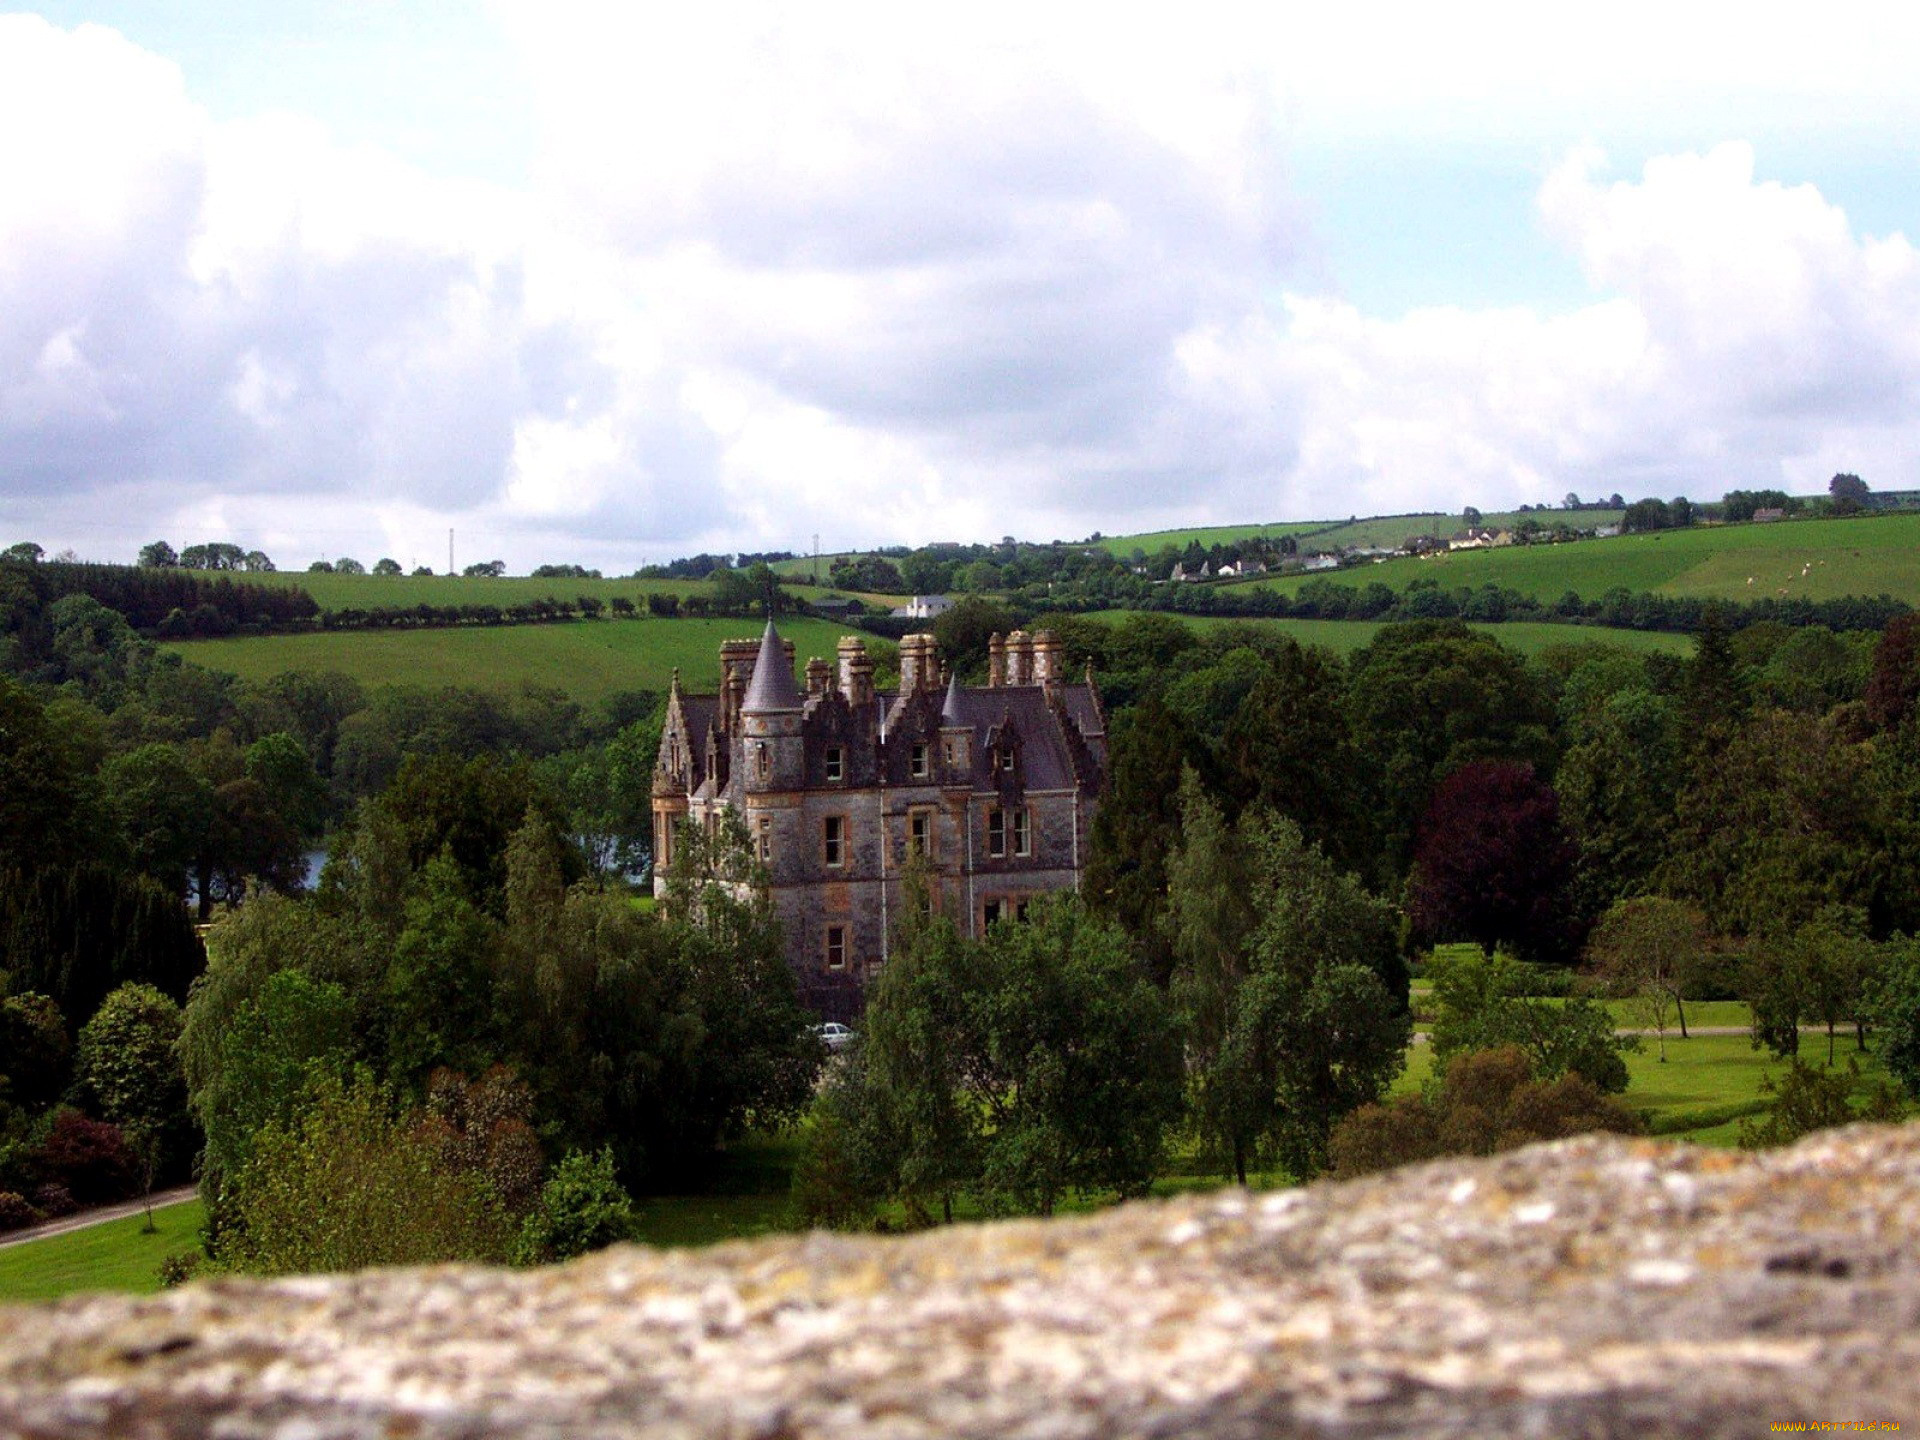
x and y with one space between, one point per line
835 1036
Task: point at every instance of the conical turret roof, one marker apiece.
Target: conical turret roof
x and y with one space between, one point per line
773 686
950 709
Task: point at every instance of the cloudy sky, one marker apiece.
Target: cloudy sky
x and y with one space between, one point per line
611 283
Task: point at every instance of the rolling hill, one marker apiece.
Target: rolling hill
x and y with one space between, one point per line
1808 559
589 659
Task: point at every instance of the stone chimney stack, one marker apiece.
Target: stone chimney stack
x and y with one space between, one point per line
1046 659
1019 658
996 661
856 671
736 669
919 664
819 676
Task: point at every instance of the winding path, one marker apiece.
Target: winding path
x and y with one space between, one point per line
99 1215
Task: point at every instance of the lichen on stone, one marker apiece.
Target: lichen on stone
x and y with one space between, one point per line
1596 1286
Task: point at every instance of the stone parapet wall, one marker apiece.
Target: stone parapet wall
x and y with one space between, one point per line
1595 1287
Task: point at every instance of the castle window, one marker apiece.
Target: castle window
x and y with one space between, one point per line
990 914
997 834
1006 759
834 835
763 839
836 947
917 762
920 832
836 763
1022 832
763 756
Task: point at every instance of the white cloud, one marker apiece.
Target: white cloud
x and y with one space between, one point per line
883 277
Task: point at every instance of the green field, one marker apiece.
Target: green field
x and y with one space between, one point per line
1528 637
588 659
1804 559
113 1256
1152 541
369 592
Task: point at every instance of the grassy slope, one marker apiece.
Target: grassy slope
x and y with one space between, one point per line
366 592
113 1256
1346 636
588 659
1870 555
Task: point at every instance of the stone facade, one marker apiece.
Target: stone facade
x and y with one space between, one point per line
839 784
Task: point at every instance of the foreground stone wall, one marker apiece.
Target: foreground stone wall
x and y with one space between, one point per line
1592 1287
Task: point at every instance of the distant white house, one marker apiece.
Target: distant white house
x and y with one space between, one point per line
1320 562
924 607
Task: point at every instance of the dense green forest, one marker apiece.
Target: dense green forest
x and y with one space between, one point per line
472 1019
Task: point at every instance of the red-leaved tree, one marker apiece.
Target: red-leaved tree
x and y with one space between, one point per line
1493 864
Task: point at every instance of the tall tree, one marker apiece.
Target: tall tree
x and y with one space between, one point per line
1493 863
1648 947
1138 825
1426 698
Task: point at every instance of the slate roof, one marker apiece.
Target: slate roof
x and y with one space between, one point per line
772 686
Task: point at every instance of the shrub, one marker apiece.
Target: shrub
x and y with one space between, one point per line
1809 1098
347 1183
1487 1101
15 1212
582 1207
54 1201
90 1158
179 1268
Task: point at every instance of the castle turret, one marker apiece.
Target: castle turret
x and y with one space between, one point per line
770 720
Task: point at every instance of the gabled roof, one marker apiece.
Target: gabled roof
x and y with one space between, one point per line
772 687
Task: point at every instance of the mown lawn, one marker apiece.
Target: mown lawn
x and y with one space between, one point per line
113 1256
589 659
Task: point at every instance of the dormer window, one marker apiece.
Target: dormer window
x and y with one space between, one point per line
836 763
917 762
1006 759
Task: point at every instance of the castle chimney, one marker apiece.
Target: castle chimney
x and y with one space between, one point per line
1046 658
819 676
736 669
909 664
1019 658
919 664
856 671
996 661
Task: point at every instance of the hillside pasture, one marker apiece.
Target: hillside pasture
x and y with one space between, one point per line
373 592
1343 637
588 659
1152 541
1803 559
